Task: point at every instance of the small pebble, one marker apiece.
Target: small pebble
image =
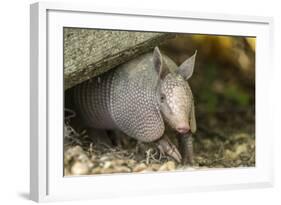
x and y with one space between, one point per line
107 164
104 158
72 152
93 158
168 166
238 161
192 168
66 172
90 165
171 165
97 170
79 168
148 169
241 148
240 136
119 162
164 167
155 167
139 167
207 143
108 170
229 154
122 169
131 162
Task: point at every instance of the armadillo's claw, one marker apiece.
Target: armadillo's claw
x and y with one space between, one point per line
175 154
167 147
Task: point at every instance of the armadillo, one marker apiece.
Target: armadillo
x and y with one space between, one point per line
140 98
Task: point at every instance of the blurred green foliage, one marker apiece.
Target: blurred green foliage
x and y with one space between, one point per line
209 98
237 94
228 94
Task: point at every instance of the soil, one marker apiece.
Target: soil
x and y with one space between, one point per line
211 150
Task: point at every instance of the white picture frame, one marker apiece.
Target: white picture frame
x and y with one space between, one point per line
46 149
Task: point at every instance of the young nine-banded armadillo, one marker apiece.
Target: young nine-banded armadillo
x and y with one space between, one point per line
139 98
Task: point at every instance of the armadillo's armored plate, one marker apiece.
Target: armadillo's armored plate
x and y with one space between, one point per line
134 102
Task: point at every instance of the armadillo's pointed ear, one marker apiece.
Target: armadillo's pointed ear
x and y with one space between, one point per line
159 63
192 122
187 67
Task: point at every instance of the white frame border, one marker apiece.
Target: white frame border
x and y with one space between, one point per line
39 90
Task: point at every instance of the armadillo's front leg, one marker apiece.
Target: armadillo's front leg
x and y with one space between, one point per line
186 148
167 147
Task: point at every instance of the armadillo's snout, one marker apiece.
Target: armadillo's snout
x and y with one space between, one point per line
183 128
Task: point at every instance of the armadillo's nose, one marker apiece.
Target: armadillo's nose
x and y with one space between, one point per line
183 129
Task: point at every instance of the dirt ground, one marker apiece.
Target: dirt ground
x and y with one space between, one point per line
211 150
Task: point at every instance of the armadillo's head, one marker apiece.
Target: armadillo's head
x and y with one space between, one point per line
174 94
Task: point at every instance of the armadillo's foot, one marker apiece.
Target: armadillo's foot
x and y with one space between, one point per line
118 138
167 147
99 137
186 148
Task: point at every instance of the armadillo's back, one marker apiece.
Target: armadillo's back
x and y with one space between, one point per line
123 98
134 104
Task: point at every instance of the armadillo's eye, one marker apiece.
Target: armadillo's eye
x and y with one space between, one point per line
162 97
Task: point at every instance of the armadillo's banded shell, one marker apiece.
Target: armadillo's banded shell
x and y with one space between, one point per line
134 102
92 99
123 98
